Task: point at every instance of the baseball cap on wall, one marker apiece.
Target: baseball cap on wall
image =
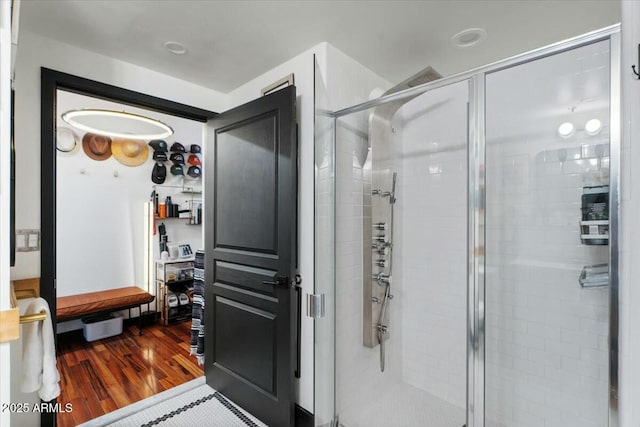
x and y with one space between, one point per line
158 145
177 158
177 147
159 173
160 156
194 171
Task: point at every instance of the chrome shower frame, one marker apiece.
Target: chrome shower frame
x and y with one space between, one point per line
477 200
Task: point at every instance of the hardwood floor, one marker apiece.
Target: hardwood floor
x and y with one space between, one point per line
108 374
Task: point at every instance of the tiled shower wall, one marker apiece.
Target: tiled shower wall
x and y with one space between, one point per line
358 376
546 337
432 209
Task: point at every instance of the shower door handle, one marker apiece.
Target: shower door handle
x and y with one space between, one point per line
298 289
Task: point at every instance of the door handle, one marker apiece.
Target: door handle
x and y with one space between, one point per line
279 281
298 289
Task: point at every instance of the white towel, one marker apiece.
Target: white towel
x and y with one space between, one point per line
39 371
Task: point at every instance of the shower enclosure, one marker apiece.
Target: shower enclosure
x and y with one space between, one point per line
467 260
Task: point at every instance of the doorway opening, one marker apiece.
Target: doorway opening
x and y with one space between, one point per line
101 230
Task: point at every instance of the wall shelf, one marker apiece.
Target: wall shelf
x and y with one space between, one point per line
181 188
594 276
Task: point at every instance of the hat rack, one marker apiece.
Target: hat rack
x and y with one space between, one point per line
83 171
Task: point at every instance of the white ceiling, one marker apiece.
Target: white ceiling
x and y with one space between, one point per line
231 42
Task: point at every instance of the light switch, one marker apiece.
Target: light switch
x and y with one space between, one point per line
21 241
34 241
27 240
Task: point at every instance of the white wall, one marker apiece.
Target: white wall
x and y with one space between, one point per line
35 52
630 228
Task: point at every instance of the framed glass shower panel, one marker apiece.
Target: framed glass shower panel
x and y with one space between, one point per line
423 141
548 163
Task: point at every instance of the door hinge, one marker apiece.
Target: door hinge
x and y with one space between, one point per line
315 305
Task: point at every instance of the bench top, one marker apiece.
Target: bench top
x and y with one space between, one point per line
74 306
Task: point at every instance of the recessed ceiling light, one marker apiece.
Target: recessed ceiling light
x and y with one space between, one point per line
566 129
469 37
175 48
593 127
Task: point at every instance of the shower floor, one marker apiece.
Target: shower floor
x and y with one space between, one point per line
405 406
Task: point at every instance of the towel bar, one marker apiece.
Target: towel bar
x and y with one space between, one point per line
28 318
37 317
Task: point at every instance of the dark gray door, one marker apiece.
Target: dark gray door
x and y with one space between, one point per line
250 249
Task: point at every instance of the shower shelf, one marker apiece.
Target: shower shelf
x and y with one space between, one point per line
594 229
594 276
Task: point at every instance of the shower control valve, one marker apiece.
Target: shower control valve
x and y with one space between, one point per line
382 279
380 249
380 226
381 263
381 238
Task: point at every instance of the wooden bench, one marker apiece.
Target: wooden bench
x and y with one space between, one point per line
74 307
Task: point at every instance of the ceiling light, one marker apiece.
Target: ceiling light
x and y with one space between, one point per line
566 129
175 48
117 124
593 127
469 37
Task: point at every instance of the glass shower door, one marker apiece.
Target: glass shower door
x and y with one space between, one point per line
324 283
401 261
547 252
